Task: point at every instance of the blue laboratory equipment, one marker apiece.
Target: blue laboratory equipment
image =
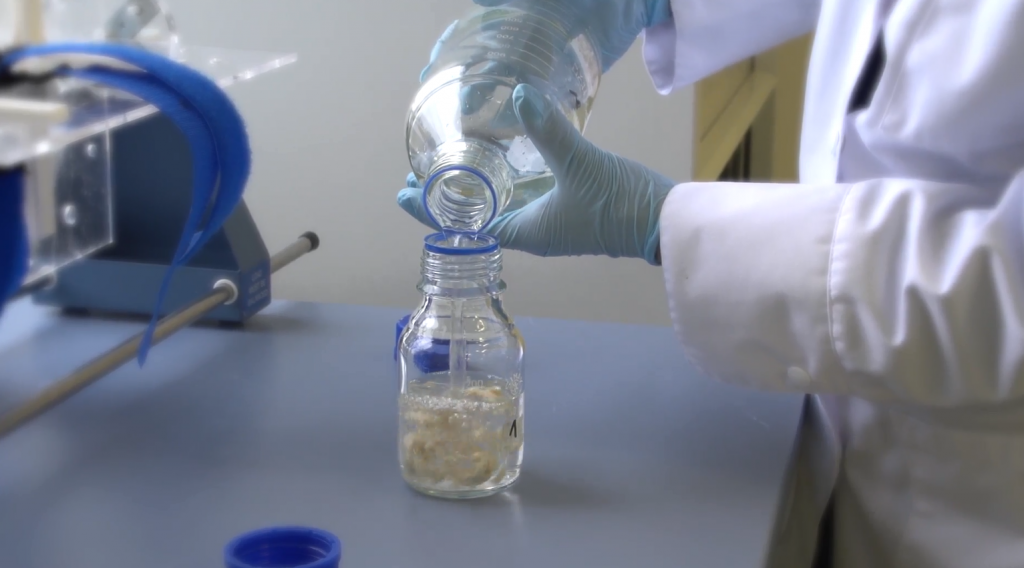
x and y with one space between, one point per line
129 163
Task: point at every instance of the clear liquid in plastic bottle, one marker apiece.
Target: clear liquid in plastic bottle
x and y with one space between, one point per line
466 145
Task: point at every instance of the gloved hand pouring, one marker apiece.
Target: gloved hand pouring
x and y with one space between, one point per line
888 283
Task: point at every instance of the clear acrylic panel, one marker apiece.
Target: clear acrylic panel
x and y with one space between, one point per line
60 130
68 204
68 201
90 109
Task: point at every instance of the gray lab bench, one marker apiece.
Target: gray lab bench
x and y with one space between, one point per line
632 458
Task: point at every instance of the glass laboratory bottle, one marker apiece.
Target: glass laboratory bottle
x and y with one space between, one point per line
466 145
460 357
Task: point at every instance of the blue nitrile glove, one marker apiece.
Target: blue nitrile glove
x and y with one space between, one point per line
613 25
602 204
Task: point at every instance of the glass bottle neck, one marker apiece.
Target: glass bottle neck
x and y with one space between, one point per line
462 274
468 185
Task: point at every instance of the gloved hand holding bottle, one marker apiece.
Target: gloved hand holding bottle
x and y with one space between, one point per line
602 204
586 213
889 278
613 25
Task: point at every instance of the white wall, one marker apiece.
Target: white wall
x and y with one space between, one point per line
328 135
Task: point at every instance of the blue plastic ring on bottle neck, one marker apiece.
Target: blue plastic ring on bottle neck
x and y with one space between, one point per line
478 243
460 168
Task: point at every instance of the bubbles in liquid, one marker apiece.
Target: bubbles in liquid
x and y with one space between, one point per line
524 158
461 441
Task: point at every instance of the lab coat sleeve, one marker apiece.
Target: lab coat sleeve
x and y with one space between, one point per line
905 289
891 290
705 36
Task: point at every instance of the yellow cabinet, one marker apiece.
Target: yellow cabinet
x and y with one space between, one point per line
747 117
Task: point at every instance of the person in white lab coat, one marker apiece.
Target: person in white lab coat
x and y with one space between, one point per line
889 282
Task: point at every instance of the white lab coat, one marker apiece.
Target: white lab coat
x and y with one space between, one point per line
890 281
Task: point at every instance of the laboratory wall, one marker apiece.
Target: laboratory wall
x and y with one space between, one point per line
329 153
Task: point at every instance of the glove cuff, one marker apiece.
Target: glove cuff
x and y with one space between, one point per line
661 186
653 245
658 12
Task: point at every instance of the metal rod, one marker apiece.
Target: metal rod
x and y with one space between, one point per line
33 287
107 362
308 242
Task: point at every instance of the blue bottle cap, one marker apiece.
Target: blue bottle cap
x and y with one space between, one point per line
284 547
431 357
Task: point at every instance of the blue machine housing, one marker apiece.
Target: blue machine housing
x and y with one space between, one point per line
152 190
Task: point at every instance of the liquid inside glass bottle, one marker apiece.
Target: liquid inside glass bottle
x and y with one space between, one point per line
466 145
460 357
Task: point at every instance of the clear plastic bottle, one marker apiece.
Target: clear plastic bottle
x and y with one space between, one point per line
460 404
466 145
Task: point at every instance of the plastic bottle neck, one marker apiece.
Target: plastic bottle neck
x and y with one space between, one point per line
468 185
461 266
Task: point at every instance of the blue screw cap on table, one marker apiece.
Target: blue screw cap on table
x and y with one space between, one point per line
284 547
